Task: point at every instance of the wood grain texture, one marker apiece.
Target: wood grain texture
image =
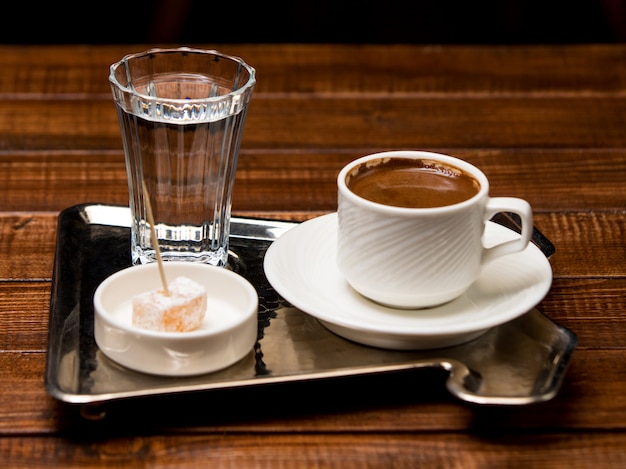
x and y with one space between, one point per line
325 451
285 180
81 72
345 123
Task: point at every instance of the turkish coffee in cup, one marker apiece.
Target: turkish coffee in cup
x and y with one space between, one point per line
411 224
412 183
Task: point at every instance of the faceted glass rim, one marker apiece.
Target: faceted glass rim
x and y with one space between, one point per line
246 88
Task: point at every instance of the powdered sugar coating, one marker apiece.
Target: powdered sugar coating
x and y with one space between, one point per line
183 310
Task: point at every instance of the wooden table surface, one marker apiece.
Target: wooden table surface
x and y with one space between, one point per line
545 123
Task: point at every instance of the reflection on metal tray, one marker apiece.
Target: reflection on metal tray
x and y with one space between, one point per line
519 362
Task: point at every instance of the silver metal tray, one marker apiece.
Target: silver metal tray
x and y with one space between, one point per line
519 362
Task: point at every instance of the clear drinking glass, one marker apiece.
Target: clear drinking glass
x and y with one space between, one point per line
181 113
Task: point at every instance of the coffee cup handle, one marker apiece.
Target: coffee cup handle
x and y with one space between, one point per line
519 207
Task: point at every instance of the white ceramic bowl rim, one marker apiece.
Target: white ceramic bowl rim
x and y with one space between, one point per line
242 283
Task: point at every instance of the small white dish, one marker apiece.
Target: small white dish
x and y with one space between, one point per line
227 333
301 267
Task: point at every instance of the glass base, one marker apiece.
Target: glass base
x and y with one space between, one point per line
217 258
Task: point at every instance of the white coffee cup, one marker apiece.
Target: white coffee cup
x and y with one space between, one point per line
416 257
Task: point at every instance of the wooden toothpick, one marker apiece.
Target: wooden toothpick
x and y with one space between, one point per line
155 242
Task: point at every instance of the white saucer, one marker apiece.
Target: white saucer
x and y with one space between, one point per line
301 267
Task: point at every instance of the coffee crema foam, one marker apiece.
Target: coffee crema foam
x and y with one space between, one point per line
412 183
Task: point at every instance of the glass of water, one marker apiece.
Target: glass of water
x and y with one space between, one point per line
181 113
